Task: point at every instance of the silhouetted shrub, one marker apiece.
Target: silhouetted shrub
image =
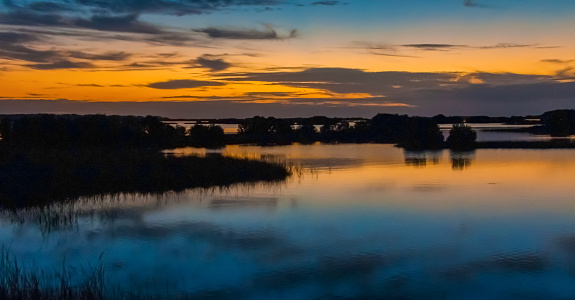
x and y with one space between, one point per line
461 136
421 133
207 136
559 122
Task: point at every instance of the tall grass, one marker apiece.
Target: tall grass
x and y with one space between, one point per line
38 178
19 283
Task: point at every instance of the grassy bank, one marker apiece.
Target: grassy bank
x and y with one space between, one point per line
41 177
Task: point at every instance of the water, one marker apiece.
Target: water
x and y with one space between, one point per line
360 221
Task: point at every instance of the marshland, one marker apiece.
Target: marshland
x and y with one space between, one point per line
141 220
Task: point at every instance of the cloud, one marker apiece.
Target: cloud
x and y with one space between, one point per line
183 84
556 61
478 99
114 23
428 92
432 47
212 62
62 64
245 34
472 3
12 48
180 7
111 56
328 3
19 52
121 23
468 99
507 46
16 37
400 50
345 81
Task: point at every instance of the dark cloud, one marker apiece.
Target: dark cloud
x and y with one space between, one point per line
180 7
11 48
121 23
380 49
245 34
473 3
341 80
123 16
115 23
212 62
427 93
16 37
111 56
556 61
432 47
19 52
62 64
328 3
182 84
32 18
90 85
45 6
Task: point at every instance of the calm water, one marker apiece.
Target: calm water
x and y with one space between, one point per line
360 221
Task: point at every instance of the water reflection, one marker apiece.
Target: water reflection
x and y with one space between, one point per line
370 225
461 160
421 158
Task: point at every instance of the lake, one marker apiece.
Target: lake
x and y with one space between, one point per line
357 221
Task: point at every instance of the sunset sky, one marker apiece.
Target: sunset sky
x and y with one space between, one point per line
240 58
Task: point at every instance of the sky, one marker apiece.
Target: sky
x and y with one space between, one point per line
240 58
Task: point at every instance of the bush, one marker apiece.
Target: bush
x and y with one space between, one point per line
461 136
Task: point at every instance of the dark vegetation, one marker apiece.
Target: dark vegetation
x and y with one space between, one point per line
409 132
33 178
54 131
461 137
17 283
47 158
559 123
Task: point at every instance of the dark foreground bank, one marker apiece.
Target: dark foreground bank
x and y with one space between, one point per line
40 177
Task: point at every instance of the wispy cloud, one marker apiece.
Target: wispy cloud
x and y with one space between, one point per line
269 33
212 62
182 84
62 64
326 3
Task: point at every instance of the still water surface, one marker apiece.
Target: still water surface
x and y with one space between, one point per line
360 221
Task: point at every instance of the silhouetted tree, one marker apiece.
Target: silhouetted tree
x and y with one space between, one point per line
422 133
461 137
87 131
559 122
388 128
207 136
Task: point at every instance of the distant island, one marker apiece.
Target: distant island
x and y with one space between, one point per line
410 132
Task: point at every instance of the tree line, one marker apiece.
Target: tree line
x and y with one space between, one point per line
90 131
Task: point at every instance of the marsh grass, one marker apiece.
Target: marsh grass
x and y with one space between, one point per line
39 178
19 283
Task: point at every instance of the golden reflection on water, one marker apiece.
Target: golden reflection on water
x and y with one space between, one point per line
380 175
